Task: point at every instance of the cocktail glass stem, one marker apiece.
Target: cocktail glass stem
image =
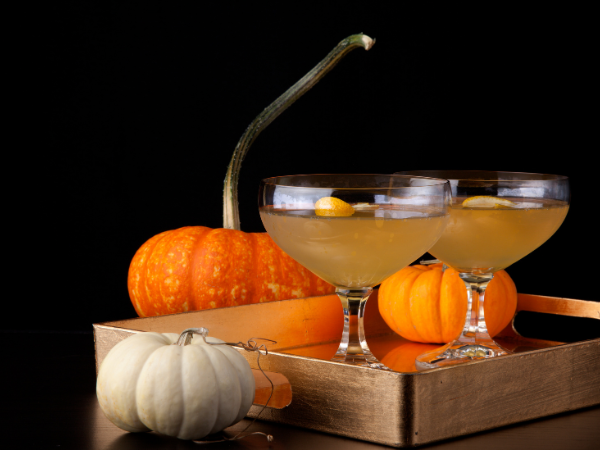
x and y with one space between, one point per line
353 347
475 332
474 341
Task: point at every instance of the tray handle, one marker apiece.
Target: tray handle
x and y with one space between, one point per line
559 306
280 392
551 305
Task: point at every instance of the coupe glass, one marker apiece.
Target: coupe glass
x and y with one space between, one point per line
394 219
514 215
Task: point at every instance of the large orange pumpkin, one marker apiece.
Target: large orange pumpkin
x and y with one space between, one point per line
427 304
197 267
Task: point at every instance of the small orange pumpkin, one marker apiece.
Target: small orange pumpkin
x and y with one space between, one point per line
427 304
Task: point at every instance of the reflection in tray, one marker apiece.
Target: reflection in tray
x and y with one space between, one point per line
399 354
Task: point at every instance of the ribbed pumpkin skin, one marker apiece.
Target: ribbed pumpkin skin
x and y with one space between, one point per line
193 268
426 304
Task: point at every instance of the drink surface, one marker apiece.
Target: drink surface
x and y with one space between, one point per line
485 240
357 251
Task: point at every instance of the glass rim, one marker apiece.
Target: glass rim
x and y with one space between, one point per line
537 176
435 181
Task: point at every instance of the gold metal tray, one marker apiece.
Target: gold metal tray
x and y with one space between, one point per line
403 408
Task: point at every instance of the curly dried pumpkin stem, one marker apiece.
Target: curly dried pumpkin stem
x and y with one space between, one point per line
231 214
185 338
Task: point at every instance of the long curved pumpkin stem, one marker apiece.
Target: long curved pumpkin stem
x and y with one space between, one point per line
231 214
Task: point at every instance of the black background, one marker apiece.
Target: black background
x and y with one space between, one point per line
133 112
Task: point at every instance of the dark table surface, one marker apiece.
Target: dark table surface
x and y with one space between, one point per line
52 404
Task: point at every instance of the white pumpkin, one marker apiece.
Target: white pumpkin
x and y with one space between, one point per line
148 382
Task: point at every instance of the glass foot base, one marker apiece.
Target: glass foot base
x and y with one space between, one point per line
360 359
458 352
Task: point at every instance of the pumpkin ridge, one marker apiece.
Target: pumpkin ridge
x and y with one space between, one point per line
153 274
215 416
213 359
253 272
282 279
178 357
168 241
243 246
411 330
197 291
183 388
383 303
263 270
236 384
137 380
278 279
513 295
195 254
187 361
148 419
138 274
437 311
174 243
208 260
226 351
492 309
186 293
386 298
424 302
510 295
226 266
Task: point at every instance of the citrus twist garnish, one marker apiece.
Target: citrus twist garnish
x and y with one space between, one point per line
333 207
486 201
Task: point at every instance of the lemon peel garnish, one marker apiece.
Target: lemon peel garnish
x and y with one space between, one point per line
487 201
333 207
